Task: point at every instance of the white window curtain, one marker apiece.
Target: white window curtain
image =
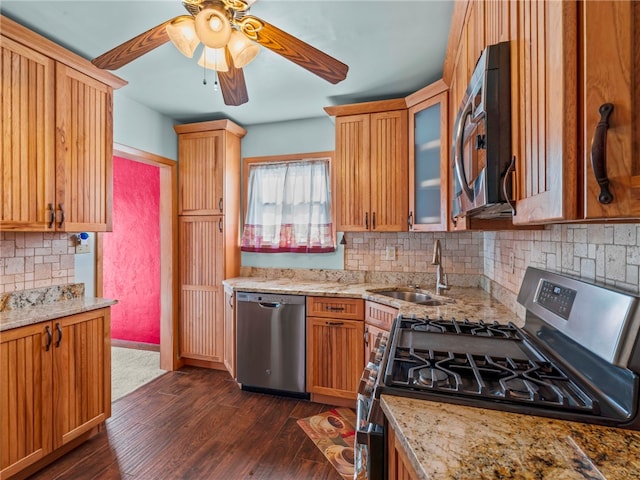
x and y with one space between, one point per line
289 208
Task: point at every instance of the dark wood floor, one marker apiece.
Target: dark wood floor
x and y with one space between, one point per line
197 424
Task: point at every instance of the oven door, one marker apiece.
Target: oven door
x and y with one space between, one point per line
370 457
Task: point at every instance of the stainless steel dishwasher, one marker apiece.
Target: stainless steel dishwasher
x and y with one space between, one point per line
271 343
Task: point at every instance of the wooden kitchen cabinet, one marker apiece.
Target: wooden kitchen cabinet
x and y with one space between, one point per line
371 166
230 331
56 164
398 465
56 386
610 39
378 319
428 158
209 167
209 180
334 351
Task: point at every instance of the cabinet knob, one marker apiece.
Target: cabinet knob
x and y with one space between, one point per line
599 153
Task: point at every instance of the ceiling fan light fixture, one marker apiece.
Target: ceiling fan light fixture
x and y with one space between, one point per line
242 49
213 27
214 59
182 33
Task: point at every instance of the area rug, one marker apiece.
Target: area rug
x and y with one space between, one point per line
333 432
131 368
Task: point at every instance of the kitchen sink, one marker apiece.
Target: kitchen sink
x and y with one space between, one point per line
413 296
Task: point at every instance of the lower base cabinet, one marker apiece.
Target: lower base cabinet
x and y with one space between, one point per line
56 386
335 347
398 466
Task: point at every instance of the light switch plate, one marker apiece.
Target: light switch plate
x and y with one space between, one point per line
82 249
390 253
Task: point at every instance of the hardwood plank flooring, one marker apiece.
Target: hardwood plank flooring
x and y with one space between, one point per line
196 424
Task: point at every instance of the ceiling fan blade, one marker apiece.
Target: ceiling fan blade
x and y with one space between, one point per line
299 52
232 84
136 47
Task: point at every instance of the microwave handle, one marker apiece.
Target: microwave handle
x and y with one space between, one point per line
505 181
457 151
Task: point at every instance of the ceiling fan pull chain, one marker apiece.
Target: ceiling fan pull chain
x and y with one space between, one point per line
204 72
215 81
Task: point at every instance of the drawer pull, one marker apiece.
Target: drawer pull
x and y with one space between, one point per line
334 324
329 308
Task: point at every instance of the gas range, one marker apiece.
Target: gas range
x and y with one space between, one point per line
576 358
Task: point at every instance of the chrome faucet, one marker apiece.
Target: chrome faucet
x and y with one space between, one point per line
441 277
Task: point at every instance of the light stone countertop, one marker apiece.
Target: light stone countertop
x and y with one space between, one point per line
446 441
40 313
473 303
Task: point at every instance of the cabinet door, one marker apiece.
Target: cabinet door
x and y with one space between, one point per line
428 165
84 152
82 374
389 172
352 173
25 397
27 160
334 356
611 40
230 333
201 292
201 166
398 465
544 136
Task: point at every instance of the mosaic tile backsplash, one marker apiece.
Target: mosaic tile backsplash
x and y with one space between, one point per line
31 260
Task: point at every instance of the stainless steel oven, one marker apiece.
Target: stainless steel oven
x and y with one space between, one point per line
576 358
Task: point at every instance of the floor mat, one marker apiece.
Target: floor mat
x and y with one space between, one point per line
131 368
333 432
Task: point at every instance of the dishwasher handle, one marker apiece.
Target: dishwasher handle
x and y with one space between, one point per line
269 304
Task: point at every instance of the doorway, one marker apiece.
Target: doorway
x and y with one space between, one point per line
167 250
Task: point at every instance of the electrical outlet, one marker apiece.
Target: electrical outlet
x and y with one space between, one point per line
390 253
512 261
82 248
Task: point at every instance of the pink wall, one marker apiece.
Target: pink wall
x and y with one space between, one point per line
132 253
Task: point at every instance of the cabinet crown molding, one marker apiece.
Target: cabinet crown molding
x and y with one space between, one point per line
23 35
227 125
367 107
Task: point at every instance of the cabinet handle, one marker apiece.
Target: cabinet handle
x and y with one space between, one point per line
410 220
220 225
366 336
334 309
59 330
47 345
334 324
505 182
373 220
52 216
61 215
599 153
220 204
366 220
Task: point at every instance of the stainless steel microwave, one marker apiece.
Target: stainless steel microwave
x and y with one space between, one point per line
481 145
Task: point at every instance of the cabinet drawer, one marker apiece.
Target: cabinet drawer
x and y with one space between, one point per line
330 307
379 315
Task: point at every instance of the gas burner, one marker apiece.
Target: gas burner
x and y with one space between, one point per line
432 377
520 388
428 327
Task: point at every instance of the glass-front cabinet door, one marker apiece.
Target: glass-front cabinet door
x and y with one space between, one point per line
428 164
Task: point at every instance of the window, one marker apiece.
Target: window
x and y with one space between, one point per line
288 206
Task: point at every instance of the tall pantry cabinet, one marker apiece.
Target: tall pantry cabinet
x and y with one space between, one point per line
209 216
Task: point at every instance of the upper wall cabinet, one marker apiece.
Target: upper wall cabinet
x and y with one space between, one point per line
56 119
610 90
428 158
573 75
371 166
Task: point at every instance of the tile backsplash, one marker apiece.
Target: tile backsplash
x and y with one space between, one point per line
31 260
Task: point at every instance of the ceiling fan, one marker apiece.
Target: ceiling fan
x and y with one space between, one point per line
231 39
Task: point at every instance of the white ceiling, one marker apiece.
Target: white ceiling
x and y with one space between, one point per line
392 48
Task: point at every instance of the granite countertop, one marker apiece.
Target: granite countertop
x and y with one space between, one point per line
27 307
473 303
446 441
